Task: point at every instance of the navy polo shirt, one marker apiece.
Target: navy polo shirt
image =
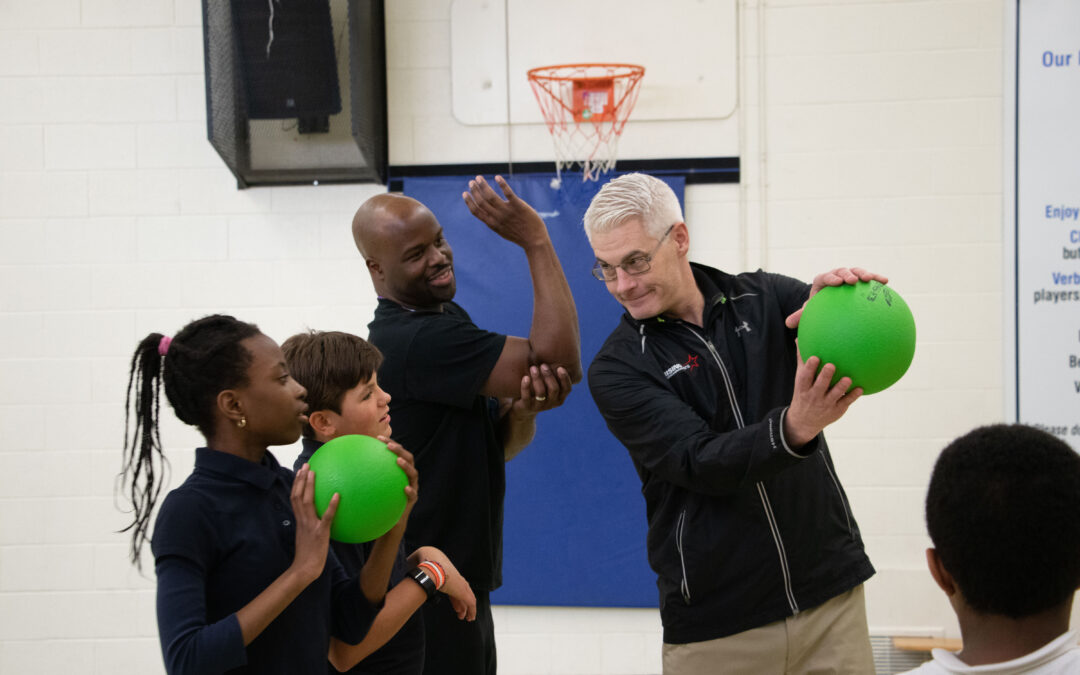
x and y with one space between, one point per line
435 364
403 654
222 538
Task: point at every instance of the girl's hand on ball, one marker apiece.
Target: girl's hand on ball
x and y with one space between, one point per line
312 532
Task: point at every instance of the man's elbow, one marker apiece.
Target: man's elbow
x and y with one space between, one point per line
575 372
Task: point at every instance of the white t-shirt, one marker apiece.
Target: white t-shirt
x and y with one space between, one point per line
1060 657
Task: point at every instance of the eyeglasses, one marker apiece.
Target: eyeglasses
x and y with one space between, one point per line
634 266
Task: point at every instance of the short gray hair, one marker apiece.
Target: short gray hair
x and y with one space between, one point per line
635 195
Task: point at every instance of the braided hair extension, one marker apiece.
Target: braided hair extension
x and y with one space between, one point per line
202 360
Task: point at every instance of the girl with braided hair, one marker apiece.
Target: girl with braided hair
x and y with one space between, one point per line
244 579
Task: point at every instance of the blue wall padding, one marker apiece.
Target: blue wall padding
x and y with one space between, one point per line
575 524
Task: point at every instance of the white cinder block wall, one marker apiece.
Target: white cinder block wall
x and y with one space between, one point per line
872 137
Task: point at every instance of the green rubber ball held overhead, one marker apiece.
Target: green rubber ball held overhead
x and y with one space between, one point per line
372 487
866 330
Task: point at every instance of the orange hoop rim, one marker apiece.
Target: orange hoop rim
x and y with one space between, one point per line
556 72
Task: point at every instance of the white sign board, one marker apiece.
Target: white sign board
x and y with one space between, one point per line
1045 217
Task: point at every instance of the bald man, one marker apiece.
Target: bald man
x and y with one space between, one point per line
464 400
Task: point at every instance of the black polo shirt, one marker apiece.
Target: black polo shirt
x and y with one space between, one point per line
403 654
435 364
222 538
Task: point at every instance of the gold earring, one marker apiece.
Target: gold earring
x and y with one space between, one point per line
242 423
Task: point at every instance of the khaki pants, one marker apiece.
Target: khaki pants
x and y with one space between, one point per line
830 639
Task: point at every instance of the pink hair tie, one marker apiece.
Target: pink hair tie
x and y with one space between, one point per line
163 346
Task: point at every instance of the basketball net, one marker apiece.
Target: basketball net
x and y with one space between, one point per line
586 106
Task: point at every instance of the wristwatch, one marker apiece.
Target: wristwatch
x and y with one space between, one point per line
421 577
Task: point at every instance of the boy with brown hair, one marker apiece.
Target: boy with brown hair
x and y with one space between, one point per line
339 371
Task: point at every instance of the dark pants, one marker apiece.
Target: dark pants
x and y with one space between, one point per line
457 647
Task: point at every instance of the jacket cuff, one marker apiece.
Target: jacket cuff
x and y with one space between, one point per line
802 452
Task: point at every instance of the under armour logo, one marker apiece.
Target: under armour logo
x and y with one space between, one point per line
744 327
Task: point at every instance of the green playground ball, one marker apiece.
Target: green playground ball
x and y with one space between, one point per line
866 330
372 487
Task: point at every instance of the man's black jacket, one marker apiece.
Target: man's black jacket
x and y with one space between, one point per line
743 530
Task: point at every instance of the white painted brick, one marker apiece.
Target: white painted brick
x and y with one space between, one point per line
29 420
962 269
17 14
42 656
20 241
137 285
36 194
418 10
108 382
129 657
188 13
418 44
318 199
968 362
70 614
57 521
906 552
89 146
424 91
67 52
248 284
871 27
323 282
110 99
833 78
109 375
90 240
400 130
886 222
127 12
99 426
23 148
144 192
882 461
28 288
335 238
172 238
967 171
897 598
834 174
214 191
893 125
661 139
882 510
46 568
440 140
22 100
272 237
715 226
190 98
22 335
19 53
113 568
179 144
167 51
938 315
83 334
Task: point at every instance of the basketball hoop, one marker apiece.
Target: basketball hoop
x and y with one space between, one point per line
586 106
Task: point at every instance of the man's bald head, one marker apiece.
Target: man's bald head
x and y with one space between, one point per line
406 254
373 222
